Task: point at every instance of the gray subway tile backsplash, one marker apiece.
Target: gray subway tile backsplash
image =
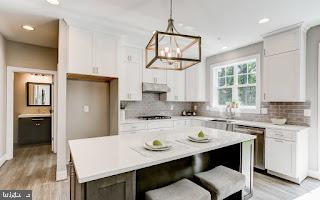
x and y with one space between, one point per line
151 105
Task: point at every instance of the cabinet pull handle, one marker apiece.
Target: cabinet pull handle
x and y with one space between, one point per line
279 134
280 141
264 96
38 119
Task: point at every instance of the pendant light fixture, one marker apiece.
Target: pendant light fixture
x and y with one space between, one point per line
171 50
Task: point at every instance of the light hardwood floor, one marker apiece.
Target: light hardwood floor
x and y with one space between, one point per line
33 167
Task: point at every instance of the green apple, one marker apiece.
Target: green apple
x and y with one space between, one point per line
156 143
201 134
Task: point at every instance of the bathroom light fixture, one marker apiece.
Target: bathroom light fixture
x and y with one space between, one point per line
28 27
53 2
264 20
171 50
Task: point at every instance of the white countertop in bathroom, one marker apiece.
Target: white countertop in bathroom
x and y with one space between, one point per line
34 115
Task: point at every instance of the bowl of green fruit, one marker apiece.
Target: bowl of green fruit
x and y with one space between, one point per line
157 145
199 137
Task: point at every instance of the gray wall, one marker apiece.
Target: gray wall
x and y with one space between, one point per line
95 123
2 97
313 40
31 56
151 105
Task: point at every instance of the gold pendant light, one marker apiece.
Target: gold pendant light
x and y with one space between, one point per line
171 50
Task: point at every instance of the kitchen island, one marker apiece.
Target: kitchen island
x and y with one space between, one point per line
118 167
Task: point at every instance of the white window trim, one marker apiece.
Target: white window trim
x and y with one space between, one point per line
243 109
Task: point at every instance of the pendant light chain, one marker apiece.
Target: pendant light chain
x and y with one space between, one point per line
170 9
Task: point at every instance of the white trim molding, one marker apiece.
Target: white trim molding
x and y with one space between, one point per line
3 159
314 174
61 175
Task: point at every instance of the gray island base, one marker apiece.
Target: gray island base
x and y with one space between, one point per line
133 184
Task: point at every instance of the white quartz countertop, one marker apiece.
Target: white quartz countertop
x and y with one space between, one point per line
34 115
238 122
100 157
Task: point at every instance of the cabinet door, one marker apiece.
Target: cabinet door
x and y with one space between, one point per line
282 42
281 80
131 74
105 55
195 83
80 51
148 75
176 83
280 156
160 76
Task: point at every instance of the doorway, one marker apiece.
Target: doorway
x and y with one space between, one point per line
31 108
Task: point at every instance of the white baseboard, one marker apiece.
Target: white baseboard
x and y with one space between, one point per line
61 175
3 159
314 174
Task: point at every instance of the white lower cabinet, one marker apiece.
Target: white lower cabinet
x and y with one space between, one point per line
142 127
287 154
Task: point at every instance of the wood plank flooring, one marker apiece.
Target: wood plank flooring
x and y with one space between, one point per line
34 167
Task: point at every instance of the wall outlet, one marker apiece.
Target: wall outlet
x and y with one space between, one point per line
171 107
264 111
307 113
207 107
195 107
86 109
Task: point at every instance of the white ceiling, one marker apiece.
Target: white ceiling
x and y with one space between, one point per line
235 22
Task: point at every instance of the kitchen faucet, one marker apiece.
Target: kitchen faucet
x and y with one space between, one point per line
230 110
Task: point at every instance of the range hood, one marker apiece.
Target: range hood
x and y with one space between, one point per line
155 88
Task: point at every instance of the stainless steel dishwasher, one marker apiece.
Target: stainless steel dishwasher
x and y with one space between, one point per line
259 160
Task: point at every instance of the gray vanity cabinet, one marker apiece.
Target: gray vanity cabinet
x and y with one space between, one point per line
34 130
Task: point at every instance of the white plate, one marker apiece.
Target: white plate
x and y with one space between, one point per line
195 137
164 148
165 145
200 141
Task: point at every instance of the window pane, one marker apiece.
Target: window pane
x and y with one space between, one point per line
230 80
242 69
229 71
242 79
247 96
252 78
225 95
252 67
221 72
222 82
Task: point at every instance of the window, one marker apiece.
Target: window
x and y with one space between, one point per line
236 81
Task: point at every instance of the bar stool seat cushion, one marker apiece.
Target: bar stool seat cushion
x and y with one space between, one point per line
181 190
222 182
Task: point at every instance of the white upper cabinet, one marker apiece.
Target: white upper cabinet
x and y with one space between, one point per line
284 70
176 83
80 51
105 54
154 76
91 53
282 42
196 83
130 75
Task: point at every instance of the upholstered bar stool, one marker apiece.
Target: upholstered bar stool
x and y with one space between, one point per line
222 182
181 190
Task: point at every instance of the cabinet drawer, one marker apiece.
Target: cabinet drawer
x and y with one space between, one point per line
179 123
133 127
133 132
163 124
281 134
196 122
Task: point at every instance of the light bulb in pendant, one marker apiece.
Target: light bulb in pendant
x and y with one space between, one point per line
166 49
178 52
162 53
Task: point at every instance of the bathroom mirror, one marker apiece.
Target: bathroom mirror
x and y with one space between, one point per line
38 94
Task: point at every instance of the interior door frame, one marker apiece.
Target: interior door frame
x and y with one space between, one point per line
10 106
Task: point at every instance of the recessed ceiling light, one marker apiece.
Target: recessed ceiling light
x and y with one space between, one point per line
180 24
28 27
224 47
264 20
53 2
